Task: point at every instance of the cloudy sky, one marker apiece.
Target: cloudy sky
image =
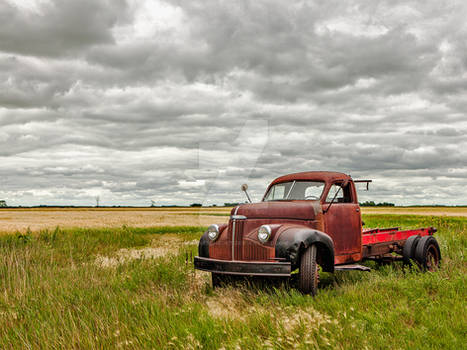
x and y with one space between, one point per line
182 101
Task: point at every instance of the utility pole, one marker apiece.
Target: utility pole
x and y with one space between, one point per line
98 199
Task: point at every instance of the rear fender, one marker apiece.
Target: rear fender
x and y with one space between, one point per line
293 240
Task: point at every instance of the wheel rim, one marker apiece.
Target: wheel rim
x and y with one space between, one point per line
432 258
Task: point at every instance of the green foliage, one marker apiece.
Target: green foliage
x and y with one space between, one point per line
231 204
55 296
373 204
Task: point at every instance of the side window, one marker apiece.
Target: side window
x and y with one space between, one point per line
344 195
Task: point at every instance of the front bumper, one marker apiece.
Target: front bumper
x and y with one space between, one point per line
246 268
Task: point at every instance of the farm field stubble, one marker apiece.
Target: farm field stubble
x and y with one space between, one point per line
132 288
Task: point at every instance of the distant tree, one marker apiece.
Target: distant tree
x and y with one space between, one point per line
153 204
194 205
385 204
231 204
3 204
373 204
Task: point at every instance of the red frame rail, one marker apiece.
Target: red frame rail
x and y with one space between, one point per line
386 235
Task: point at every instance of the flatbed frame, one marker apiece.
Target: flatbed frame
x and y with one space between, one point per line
377 242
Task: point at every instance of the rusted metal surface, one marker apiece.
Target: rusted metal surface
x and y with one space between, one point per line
326 176
343 223
297 210
222 247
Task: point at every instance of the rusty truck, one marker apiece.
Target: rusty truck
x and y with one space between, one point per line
306 223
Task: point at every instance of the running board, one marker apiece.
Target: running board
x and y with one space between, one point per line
351 267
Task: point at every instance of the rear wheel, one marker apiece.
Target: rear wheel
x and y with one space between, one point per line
427 253
308 274
408 251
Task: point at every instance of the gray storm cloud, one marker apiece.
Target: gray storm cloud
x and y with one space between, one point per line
160 100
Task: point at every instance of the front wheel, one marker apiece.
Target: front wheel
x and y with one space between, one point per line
308 274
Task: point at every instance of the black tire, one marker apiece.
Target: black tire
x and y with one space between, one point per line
428 254
408 251
308 274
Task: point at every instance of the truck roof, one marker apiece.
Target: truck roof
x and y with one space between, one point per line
326 176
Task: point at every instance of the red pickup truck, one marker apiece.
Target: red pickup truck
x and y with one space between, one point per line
307 221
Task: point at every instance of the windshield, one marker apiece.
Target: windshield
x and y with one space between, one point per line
295 190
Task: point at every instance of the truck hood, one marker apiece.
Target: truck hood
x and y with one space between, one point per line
300 210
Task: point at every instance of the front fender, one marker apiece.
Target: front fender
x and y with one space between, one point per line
203 246
293 240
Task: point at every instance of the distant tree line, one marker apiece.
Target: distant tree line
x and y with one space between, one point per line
197 205
373 204
3 204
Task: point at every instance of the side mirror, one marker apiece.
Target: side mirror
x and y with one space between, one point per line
244 187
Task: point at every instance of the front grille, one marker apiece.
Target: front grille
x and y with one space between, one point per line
238 244
252 251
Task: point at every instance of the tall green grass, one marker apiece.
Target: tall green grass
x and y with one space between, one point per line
54 296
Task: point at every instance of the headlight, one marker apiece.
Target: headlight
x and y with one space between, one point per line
213 232
264 233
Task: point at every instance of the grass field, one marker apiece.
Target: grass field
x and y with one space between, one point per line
132 288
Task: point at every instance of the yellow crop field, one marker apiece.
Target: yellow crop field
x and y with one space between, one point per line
13 220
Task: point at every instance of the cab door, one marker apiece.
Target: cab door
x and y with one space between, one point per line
343 222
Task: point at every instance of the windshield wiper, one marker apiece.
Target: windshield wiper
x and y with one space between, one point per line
342 185
290 191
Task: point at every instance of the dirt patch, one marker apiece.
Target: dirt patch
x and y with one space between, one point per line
231 305
293 318
126 255
161 246
193 242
